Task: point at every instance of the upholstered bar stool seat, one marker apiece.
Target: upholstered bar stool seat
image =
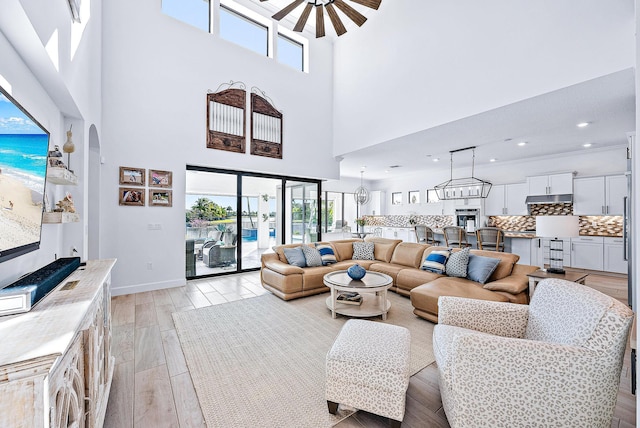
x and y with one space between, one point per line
368 368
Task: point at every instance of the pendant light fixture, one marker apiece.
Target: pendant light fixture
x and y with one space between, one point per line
466 187
361 194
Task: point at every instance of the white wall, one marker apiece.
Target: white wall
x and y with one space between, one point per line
48 65
156 73
419 64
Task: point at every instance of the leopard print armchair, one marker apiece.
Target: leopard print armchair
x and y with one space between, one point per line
556 362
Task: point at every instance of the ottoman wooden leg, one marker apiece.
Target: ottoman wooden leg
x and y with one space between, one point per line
394 423
333 407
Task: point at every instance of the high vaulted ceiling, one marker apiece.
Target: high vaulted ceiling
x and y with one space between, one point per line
547 123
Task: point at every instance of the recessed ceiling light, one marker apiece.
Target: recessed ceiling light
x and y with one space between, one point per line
493 160
586 145
436 159
387 171
582 124
522 143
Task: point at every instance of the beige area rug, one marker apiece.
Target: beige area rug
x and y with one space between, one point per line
260 362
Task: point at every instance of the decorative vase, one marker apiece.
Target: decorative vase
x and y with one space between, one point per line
356 272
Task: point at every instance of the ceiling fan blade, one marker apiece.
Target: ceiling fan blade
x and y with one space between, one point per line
287 10
353 14
319 21
373 4
335 19
303 18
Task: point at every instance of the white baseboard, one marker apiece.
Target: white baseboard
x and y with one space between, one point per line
139 288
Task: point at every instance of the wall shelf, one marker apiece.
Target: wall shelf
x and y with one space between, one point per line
60 217
59 175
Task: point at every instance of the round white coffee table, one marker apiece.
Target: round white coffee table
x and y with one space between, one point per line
373 289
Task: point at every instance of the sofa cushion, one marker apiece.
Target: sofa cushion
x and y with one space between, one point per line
295 256
388 269
279 250
311 256
507 262
314 277
425 297
327 254
457 263
480 268
344 248
384 247
410 278
436 261
408 254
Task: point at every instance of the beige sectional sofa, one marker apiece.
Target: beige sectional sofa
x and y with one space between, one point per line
401 261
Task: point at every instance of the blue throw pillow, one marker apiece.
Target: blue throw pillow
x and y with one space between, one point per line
295 256
480 268
327 254
436 261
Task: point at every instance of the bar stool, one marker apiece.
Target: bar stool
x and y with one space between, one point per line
424 235
490 238
455 236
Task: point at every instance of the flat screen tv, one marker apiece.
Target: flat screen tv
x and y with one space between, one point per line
24 144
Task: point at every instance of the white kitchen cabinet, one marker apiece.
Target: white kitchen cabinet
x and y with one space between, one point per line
521 247
614 255
616 191
515 199
494 203
587 252
536 253
599 195
507 199
553 184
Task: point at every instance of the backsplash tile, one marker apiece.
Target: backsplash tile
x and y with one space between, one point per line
589 225
433 221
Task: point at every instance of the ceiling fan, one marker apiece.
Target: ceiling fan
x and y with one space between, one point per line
320 5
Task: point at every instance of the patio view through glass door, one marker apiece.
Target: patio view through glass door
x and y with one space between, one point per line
233 217
211 205
302 224
260 211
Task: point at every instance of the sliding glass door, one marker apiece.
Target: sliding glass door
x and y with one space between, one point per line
233 217
303 223
260 211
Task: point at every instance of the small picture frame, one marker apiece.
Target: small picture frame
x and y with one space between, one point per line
131 196
396 198
132 176
414 197
159 178
159 198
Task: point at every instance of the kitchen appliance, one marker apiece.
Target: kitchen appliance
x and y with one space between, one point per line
468 219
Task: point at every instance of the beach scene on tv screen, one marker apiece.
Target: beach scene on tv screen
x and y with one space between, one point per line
23 166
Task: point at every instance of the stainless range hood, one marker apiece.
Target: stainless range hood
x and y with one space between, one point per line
550 199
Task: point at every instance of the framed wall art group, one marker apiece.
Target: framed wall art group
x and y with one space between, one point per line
132 187
227 120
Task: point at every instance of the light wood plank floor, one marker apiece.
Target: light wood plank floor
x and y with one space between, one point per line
152 386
